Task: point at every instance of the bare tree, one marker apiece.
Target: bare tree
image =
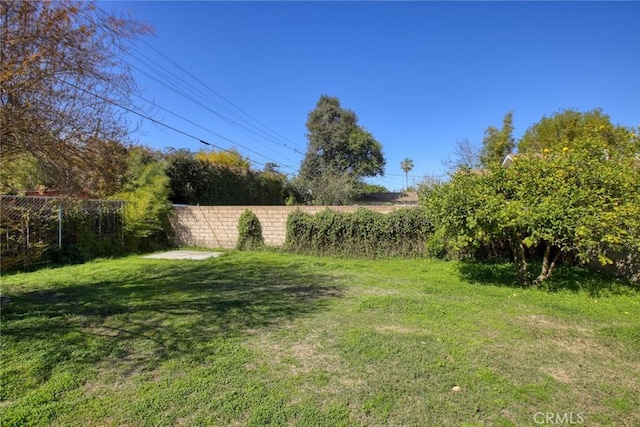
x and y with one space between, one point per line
61 70
465 156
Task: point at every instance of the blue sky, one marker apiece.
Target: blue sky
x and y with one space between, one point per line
419 75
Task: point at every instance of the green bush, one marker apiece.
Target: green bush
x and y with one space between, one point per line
194 181
249 231
363 233
147 208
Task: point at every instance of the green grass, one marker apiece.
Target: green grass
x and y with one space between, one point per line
274 339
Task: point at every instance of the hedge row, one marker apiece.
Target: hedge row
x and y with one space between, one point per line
196 182
363 233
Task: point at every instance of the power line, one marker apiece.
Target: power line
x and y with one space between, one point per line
144 116
176 80
197 125
206 107
152 103
235 124
219 95
416 176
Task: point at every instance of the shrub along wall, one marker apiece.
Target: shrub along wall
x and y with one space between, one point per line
363 233
217 226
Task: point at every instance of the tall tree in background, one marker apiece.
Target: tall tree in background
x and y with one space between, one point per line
339 154
406 165
55 58
497 143
568 128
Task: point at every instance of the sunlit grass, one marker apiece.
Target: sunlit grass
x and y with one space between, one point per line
274 339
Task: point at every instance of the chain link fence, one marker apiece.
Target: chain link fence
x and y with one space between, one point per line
35 230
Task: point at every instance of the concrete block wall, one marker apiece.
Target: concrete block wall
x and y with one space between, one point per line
217 226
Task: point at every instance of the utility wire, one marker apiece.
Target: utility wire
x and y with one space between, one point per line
153 104
177 80
173 87
416 176
144 116
219 95
195 124
206 107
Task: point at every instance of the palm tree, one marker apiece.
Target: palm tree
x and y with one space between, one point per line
406 165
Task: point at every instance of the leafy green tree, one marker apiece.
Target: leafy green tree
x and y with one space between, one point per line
231 159
461 210
497 143
339 154
567 128
22 173
582 200
406 165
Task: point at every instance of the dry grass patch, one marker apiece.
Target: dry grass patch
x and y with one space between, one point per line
587 373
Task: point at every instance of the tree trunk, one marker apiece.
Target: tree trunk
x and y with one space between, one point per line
522 268
547 265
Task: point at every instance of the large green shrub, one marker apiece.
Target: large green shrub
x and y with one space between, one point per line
195 181
580 201
147 207
363 233
249 231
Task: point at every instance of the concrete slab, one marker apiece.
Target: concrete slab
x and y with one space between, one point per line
193 255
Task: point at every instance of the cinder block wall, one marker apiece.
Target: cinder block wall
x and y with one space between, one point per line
217 226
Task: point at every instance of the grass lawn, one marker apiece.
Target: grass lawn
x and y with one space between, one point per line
268 338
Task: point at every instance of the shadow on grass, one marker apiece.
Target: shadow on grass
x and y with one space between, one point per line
564 278
155 311
497 274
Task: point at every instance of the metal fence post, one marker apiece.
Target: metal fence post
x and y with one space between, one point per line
60 226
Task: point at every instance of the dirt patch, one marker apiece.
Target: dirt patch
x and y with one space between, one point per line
300 357
544 322
308 357
557 373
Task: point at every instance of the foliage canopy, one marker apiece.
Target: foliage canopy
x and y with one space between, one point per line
339 154
581 199
497 143
222 178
